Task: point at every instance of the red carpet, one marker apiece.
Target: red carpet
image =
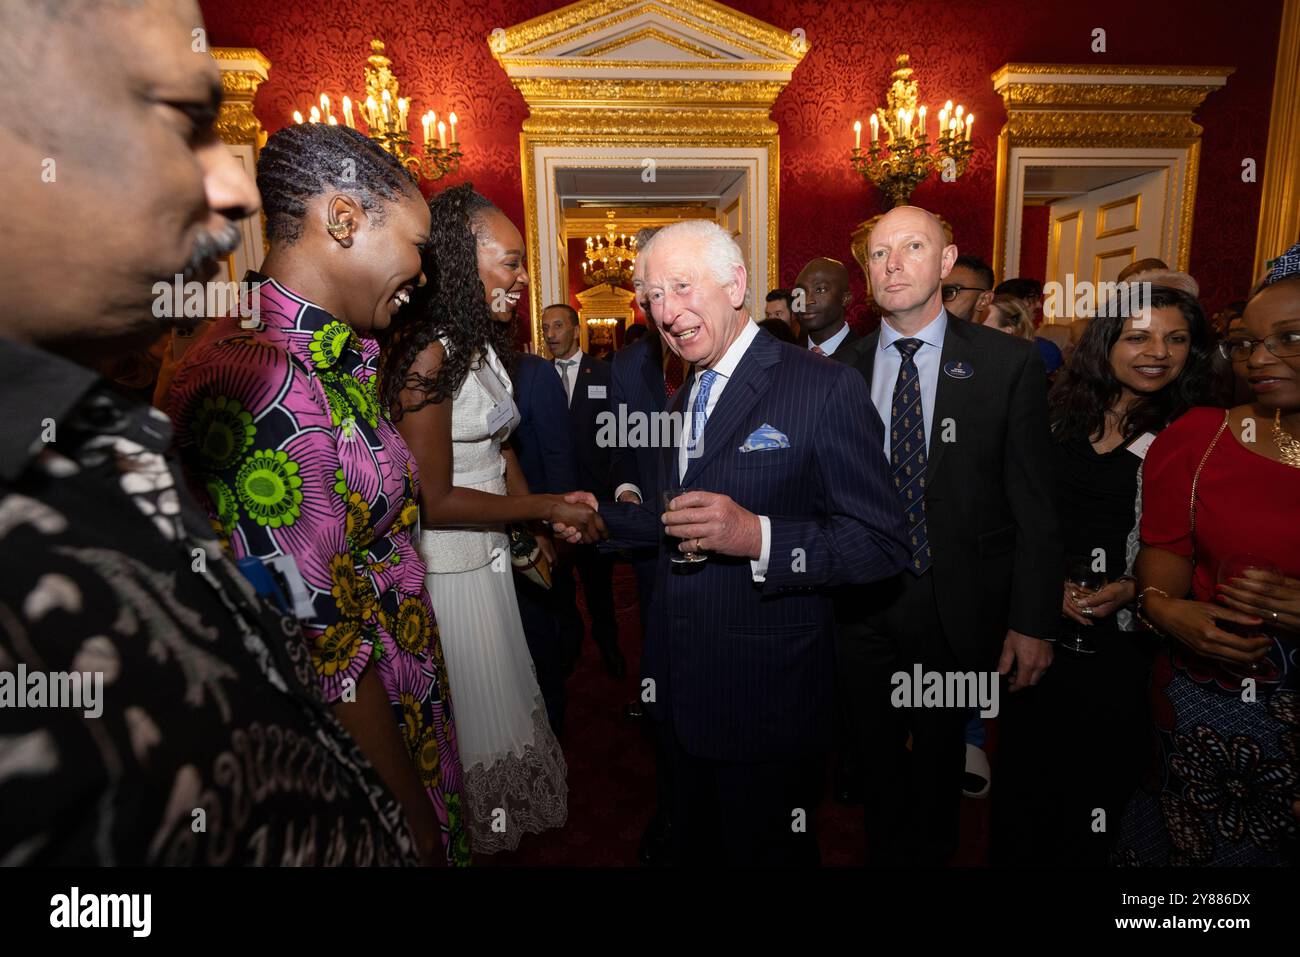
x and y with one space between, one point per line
611 774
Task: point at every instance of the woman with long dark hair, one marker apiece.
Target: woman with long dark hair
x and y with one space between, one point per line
1074 746
447 383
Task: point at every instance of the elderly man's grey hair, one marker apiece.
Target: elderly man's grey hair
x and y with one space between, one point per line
720 253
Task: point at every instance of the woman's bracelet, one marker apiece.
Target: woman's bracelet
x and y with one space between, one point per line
1141 613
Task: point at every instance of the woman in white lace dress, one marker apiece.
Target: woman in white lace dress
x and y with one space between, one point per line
449 344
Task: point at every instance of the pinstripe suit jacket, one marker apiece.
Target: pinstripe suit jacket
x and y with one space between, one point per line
744 669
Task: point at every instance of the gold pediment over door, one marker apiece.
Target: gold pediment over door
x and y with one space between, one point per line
644 34
648 86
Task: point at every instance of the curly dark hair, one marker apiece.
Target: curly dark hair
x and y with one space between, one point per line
1088 388
306 159
452 304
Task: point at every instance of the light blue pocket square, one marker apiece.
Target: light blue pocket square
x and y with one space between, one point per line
765 437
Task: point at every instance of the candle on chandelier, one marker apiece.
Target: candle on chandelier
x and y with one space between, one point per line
324 105
372 108
875 129
424 125
970 121
920 123
315 114
442 135
454 141
960 110
943 121
347 113
952 126
402 109
857 134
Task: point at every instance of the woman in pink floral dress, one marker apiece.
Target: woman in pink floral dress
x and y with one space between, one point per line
284 439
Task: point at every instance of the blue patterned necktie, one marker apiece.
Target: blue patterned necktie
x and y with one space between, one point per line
907 452
699 411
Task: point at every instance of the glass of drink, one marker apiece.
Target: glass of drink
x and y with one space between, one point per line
676 555
1236 566
1080 582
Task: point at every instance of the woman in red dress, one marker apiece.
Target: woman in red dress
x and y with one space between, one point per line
1221 492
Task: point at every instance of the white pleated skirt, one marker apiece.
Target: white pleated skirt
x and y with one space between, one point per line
515 775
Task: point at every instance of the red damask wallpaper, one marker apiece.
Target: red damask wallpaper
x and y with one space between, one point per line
443 61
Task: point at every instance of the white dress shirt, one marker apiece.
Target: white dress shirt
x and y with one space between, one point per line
574 362
831 344
725 368
889 360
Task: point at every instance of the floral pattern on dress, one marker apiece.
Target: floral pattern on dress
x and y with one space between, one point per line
1246 794
284 436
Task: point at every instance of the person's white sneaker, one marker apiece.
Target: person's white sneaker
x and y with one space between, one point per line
978 777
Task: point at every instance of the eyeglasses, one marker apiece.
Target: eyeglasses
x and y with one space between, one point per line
950 292
1283 345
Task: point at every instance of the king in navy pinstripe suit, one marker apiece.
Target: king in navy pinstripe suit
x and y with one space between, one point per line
740 652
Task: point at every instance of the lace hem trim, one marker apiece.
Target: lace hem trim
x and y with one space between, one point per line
518 794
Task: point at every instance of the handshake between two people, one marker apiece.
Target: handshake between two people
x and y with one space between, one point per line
704 521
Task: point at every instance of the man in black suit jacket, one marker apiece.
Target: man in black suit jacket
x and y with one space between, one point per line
587 383
786 491
818 300
983 590
544 447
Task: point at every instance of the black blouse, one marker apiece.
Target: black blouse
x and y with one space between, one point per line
1096 493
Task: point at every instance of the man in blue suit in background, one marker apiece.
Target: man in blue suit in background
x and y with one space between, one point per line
786 490
544 447
586 382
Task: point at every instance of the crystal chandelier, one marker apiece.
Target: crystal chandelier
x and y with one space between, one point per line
609 257
385 115
908 155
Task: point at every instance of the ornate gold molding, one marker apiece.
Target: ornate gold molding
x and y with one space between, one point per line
1091 109
227 54
636 11
592 16
243 69
648 127
1279 204
624 66
1114 129
651 34
549 92
1122 96
714 89
1085 70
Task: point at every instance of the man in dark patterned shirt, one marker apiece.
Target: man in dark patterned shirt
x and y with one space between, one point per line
151 709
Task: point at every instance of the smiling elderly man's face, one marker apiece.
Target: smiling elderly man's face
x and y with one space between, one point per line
698 316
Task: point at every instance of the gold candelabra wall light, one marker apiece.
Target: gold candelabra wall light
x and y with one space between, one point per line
385 114
609 257
908 156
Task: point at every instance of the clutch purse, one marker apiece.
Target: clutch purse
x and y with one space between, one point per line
527 558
